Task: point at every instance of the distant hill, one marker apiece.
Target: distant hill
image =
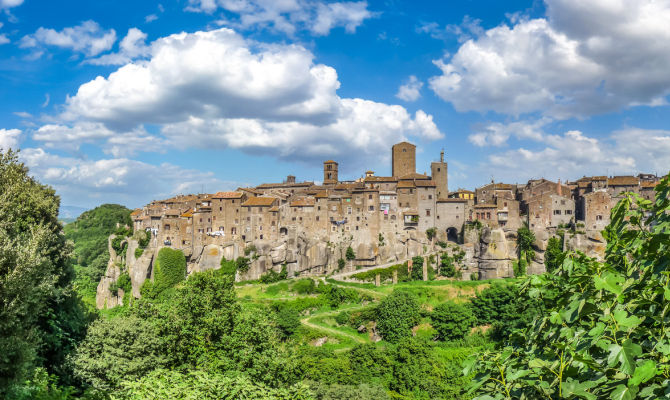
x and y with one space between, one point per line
69 213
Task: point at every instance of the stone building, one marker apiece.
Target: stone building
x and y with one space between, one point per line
403 158
596 209
438 171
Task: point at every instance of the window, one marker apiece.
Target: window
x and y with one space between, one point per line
599 217
357 227
248 219
568 212
505 204
260 228
371 208
221 229
427 213
438 169
233 231
348 210
317 217
220 208
430 197
488 215
557 212
333 228
358 218
563 202
261 237
369 197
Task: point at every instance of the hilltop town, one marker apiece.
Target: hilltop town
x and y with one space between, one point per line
307 227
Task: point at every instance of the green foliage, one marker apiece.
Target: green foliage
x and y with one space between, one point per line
452 321
417 268
397 314
228 267
138 252
117 349
520 266
41 318
442 244
447 266
169 269
271 276
336 391
337 295
341 263
168 384
430 233
524 241
288 320
242 264
385 273
143 238
122 283
350 255
604 334
554 256
250 249
304 286
343 318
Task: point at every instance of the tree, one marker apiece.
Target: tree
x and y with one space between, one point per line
288 320
125 347
430 233
604 334
350 255
417 268
40 316
525 240
452 321
170 269
447 266
554 255
397 314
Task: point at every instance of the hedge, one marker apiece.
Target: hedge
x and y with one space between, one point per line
170 269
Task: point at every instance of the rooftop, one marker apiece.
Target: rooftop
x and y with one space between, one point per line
259 202
227 195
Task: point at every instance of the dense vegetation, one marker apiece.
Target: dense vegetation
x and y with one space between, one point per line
585 330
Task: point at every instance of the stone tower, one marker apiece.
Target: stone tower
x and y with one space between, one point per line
403 156
438 170
329 172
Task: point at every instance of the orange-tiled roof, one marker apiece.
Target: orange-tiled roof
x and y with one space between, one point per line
414 175
649 184
485 206
250 190
623 181
422 183
406 184
583 184
464 191
322 195
284 185
330 162
227 195
598 178
274 209
188 213
348 186
305 202
136 212
259 202
380 179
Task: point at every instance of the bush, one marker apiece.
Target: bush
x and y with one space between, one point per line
288 320
250 249
417 268
271 276
170 269
447 266
452 321
341 263
430 233
304 286
337 295
397 314
442 244
138 252
242 264
228 267
554 256
123 282
350 255
144 238
343 318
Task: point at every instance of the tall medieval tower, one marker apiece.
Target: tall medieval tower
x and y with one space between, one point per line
438 170
403 156
329 172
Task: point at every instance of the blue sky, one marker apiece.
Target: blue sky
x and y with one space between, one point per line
126 101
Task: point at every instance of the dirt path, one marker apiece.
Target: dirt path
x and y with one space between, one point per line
341 276
332 331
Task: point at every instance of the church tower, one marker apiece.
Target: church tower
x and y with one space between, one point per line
329 172
438 170
403 156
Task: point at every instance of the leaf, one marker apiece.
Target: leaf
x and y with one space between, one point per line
576 388
666 293
623 392
624 321
610 281
643 373
624 355
571 313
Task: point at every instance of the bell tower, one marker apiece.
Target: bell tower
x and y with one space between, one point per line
438 170
330 172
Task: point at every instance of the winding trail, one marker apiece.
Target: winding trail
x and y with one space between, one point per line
332 331
341 276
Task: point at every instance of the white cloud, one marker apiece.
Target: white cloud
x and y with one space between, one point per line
132 46
410 91
9 139
23 114
497 133
584 58
7 4
215 89
288 16
87 182
71 138
3 38
87 38
574 154
150 18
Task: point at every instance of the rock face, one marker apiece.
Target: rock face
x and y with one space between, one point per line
590 243
103 297
495 255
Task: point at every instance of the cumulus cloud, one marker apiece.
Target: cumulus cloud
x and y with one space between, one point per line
584 58
3 38
215 89
497 133
118 180
132 46
9 139
150 18
87 38
574 154
288 16
410 91
7 4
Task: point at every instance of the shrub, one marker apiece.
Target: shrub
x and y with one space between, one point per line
447 266
123 282
350 255
170 269
442 244
397 314
250 249
343 318
138 252
288 320
452 321
271 276
417 268
525 240
228 267
554 256
304 286
144 239
430 233
242 264
341 263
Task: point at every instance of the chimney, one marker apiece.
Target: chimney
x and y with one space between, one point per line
558 188
442 156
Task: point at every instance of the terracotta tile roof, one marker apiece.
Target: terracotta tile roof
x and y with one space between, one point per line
380 179
188 213
227 195
583 184
284 185
136 212
464 191
349 186
422 183
329 162
406 184
404 142
503 186
452 200
304 202
649 184
274 209
598 178
144 218
259 202
250 190
623 181
485 206
322 195
413 175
